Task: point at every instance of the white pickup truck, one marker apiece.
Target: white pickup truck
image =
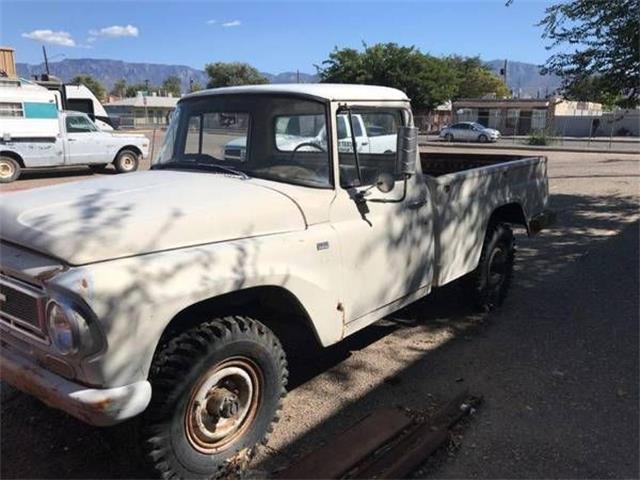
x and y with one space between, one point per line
40 136
172 295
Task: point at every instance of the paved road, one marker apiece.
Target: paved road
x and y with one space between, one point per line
624 144
557 365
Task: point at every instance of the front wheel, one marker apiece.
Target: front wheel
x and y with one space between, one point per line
217 391
126 161
483 138
9 170
490 281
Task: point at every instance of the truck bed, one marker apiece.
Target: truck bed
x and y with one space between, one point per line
465 190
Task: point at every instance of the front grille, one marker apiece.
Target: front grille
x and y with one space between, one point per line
21 305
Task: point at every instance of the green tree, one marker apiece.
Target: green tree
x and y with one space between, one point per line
92 84
172 85
223 74
475 80
194 86
600 40
427 80
119 88
134 88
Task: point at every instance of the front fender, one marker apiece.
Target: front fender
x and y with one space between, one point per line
135 298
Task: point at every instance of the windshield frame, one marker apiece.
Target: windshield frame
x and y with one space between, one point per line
182 112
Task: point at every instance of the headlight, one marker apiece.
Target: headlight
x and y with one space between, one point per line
64 326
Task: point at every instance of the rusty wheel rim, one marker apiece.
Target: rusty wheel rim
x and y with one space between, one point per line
223 404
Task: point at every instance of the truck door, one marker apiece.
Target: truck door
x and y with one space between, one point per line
386 241
85 143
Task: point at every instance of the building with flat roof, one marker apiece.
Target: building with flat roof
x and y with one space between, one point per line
142 110
521 116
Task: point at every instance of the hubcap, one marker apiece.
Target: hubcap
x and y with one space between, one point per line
6 170
128 162
223 404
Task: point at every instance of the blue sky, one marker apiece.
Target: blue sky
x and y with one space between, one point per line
273 36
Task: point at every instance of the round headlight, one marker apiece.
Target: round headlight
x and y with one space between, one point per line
62 328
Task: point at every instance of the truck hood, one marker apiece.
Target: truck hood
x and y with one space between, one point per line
143 212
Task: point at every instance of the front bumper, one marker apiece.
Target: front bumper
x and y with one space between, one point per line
541 221
99 407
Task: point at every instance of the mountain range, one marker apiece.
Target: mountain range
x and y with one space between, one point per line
523 78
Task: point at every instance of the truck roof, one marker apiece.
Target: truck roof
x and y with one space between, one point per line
322 91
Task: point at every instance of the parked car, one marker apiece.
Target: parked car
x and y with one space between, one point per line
40 136
172 294
469 132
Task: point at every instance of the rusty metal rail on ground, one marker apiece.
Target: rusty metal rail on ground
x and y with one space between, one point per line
388 443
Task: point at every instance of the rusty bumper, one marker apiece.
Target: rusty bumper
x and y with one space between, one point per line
100 407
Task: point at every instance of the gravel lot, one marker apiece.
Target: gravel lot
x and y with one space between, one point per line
557 366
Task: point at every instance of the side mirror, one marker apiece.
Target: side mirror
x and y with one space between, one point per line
407 149
385 182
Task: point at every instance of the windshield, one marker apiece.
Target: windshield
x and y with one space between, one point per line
264 136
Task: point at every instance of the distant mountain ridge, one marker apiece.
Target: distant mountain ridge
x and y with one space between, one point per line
523 78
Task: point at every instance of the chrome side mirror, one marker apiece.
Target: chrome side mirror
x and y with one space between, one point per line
407 149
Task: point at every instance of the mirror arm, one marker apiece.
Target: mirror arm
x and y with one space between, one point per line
384 200
355 146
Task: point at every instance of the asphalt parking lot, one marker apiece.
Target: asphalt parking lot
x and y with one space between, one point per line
557 366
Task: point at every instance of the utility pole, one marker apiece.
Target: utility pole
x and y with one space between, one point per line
297 76
503 72
46 61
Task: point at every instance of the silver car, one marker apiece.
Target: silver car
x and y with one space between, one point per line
469 132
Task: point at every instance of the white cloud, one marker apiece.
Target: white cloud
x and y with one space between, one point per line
211 22
233 23
49 36
116 31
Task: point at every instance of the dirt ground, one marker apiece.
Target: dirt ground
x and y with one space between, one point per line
557 365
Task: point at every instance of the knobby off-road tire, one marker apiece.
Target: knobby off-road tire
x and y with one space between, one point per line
126 161
217 392
490 281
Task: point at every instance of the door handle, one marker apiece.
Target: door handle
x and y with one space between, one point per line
417 204
71 139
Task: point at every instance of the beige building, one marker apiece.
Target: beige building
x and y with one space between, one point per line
519 116
141 110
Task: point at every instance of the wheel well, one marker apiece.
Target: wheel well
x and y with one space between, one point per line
512 213
133 148
274 306
13 155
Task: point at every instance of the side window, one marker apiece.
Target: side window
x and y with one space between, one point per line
217 136
79 124
376 145
11 109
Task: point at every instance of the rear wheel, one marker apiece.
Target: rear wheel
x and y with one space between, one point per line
448 137
217 391
490 281
126 161
9 169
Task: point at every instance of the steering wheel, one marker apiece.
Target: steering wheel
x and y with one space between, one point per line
317 146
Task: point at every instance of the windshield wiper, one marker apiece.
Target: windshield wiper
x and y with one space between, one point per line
200 165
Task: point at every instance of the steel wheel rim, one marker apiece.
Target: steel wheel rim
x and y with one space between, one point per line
128 162
238 381
7 170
